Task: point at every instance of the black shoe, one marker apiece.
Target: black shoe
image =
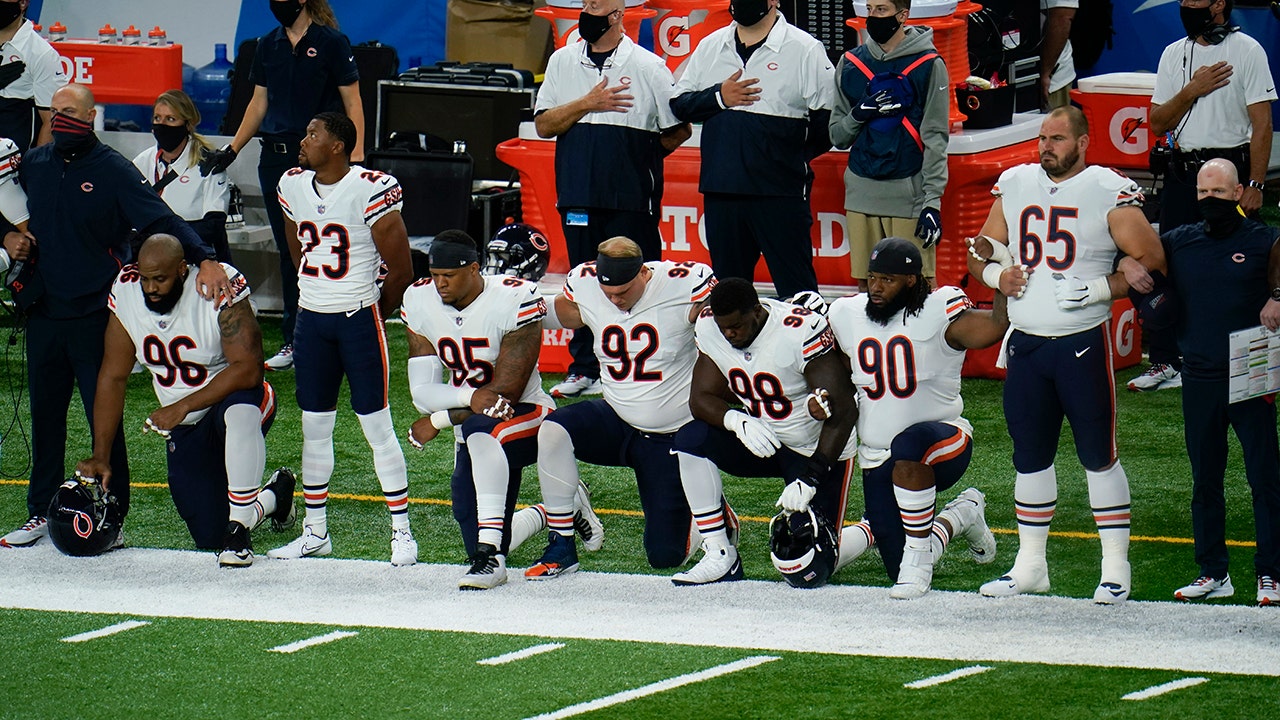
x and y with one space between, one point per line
237 547
283 483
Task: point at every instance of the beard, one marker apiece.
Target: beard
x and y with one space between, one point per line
168 301
1056 167
882 314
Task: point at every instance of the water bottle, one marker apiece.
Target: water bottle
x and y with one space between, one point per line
132 36
57 32
107 35
157 36
211 90
39 29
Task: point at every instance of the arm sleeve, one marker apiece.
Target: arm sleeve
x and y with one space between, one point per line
664 86
818 140
692 100
386 197
217 193
46 77
935 130
257 70
343 62
841 126
13 200
549 92
1258 83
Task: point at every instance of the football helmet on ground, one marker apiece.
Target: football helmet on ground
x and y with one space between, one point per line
804 547
84 518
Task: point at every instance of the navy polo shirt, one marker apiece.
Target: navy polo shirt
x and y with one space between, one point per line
1221 286
301 81
82 215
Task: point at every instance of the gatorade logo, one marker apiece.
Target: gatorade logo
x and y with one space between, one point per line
1128 131
673 36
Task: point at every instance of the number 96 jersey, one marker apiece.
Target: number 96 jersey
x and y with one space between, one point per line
183 349
768 376
340 262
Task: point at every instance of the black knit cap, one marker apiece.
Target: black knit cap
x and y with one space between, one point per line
895 256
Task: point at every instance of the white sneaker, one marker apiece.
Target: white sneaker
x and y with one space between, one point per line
719 564
237 549
488 569
404 549
1159 376
1030 580
282 360
1268 591
1205 588
915 575
1114 588
585 521
36 527
967 514
309 545
575 385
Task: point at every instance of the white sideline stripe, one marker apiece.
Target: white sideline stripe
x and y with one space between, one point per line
1155 690
947 677
655 688
317 640
108 630
520 654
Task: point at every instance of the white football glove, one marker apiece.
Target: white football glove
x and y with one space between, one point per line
1074 293
754 433
796 496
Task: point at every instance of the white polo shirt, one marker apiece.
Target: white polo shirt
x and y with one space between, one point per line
1221 118
190 195
43 75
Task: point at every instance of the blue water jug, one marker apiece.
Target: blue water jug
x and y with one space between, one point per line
211 90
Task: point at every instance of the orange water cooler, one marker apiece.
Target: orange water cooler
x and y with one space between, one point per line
123 74
1116 106
680 25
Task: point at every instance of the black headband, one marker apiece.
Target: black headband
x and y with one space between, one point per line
617 271
448 255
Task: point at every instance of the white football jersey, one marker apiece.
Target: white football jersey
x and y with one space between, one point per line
13 199
340 262
468 340
905 371
768 375
646 354
183 349
1061 228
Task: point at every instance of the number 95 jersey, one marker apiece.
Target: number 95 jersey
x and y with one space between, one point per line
340 262
1061 228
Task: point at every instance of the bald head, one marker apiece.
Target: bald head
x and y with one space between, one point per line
1074 117
1219 178
161 250
79 96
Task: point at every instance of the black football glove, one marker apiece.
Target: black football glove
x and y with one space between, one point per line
216 161
10 72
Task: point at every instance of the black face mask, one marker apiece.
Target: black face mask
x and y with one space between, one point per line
169 137
1195 20
592 27
748 12
882 28
1221 216
9 11
72 137
286 12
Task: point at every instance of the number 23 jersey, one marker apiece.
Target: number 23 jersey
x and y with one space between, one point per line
340 262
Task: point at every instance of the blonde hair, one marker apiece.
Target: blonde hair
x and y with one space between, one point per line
321 13
620 247
186 111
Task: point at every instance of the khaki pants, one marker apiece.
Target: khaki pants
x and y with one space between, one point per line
866 230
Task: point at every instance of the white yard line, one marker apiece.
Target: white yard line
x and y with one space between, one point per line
294 647
108 630
520 654
946 677
1164 688
655 688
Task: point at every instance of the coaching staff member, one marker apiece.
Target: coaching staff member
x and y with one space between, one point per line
84 199
763 90
30 73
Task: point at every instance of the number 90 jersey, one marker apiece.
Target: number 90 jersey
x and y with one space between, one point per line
183 350
468 340
340 262
647 353
768 376
905 372
1061 228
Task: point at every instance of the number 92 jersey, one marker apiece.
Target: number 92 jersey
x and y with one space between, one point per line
340 262
468 340
183 349
768 376
1061 228
905 372
646 354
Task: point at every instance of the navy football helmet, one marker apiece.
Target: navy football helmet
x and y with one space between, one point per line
804 548
519 250
84 519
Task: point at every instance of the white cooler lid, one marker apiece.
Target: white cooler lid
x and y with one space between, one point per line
1025 126
1120 83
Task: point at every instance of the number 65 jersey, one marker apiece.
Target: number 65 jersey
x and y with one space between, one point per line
340 262
1061 228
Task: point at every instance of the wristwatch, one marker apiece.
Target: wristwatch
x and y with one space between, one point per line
1275 294
1256 185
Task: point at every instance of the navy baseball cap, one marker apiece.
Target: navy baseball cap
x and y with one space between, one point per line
895 256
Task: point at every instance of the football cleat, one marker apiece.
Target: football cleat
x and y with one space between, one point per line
36 527
915 575
237 549
282 360
585 521
404 549
560 558
718 564
1159 376
1205 588
282 484
308 545
1268 591
982 544
488 569
575 385
1018 581
1114 588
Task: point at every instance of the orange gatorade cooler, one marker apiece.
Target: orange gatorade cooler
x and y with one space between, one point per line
1116 105
563 15
680 25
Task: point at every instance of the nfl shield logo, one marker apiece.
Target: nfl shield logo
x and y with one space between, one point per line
163 324
320 209
746 356
458 320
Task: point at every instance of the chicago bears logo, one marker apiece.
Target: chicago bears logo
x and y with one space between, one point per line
1237 257
82 524
87 187
625 80
311 52
539 240
772 66
184 179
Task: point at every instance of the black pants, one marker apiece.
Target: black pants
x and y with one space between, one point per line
62 354
740 228
581 242
278 156
1206 416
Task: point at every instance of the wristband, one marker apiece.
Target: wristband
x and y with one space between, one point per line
991 275
464 397
440 419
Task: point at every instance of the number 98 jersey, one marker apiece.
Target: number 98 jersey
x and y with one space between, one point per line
340 262
1061 228
183 349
